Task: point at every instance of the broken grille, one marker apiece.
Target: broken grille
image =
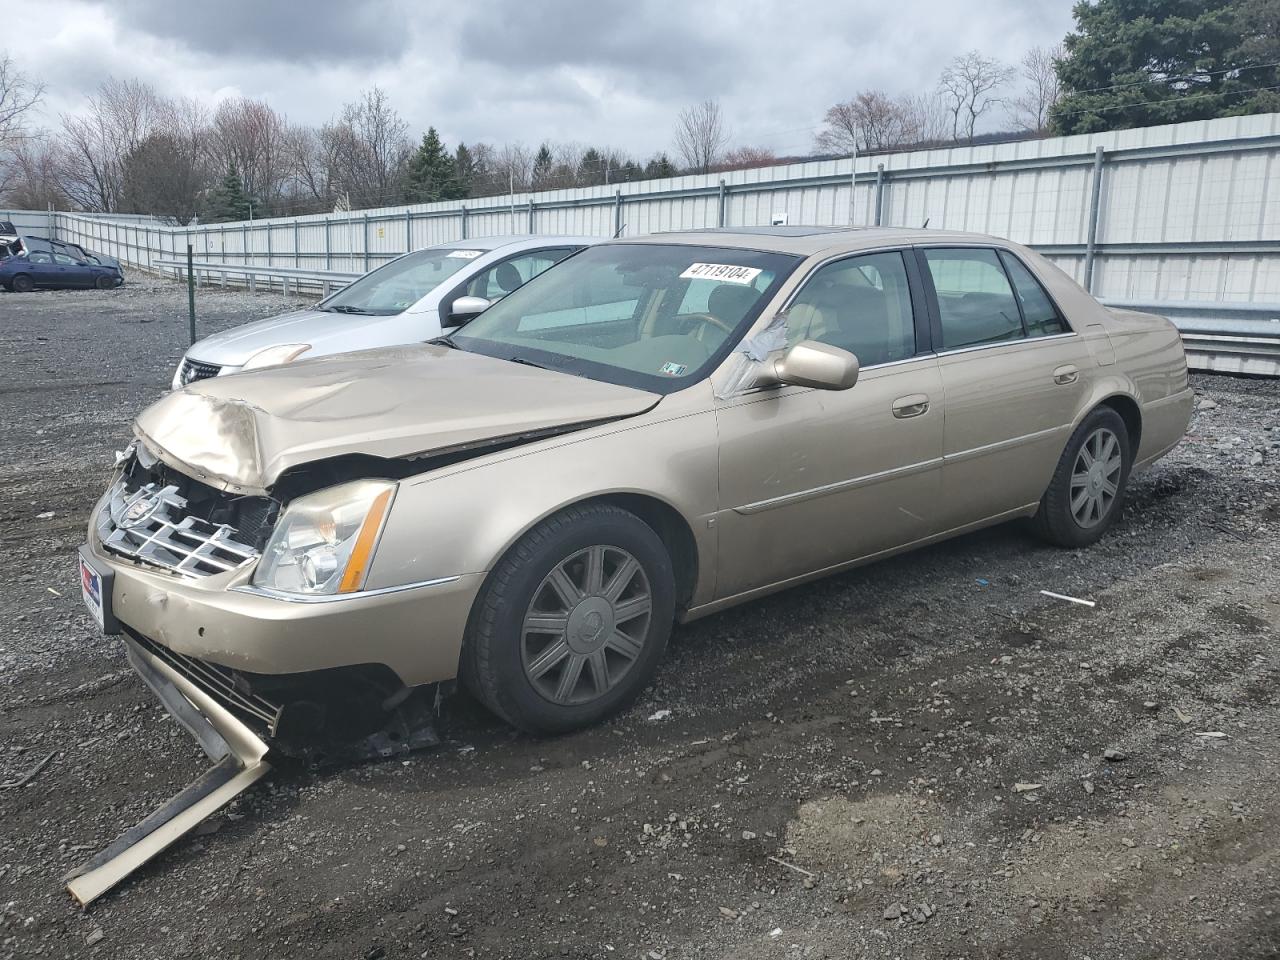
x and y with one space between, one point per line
220 683
193 370
151 525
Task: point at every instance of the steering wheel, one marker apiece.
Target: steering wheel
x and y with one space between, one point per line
706 319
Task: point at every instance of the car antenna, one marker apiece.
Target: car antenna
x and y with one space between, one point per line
925 224
617 233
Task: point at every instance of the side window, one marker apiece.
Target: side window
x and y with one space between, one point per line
500 279
63 259
39 258
975 302
1043 319
862 305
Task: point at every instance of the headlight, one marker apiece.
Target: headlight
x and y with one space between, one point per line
273 356
324 543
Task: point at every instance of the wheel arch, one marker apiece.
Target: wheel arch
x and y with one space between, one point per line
671 526
1131 413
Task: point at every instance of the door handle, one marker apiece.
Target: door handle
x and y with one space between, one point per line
1066 374
913 406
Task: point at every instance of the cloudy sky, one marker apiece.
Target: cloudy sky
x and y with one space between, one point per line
593 71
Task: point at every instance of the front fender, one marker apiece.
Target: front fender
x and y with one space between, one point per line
462 519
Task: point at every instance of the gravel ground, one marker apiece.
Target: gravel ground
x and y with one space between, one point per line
910 760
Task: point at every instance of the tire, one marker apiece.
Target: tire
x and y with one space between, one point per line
530 629
104 283
1077 509
21 283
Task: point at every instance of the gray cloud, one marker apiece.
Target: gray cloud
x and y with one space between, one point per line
246 30
606 72
636 47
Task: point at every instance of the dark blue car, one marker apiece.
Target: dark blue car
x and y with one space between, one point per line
41 269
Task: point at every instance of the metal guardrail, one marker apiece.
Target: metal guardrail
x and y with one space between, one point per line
249 276
1221 336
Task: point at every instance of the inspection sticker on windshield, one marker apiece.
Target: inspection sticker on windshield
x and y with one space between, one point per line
674 369
472 254
723 272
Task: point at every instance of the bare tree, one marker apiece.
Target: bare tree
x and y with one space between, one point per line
34 168
19 96
95 143
700 135
1041 90
747 158
369 143
927 120
872 120
254 138
969 87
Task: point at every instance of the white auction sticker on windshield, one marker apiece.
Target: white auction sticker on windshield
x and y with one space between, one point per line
722 272
468 254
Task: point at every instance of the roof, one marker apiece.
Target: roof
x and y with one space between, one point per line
807 241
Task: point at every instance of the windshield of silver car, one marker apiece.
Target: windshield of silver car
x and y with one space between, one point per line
400 284
654 316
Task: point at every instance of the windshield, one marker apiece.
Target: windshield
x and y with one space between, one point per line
400 284
658 317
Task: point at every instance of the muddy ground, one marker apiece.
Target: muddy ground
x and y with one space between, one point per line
879 732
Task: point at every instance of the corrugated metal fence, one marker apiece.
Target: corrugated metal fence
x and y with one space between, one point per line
1184 212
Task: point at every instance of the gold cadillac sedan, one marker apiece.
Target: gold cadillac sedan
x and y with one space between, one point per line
651 431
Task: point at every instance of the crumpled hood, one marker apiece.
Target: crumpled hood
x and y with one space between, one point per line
327 333
241 432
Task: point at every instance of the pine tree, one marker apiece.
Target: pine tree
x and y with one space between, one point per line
542 167
228 200
659 167
431 172
464 171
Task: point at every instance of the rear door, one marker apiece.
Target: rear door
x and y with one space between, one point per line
1014 374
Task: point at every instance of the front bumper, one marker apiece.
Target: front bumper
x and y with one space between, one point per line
240 761
416 630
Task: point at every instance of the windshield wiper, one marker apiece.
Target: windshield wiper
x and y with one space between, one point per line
446 341
527 362
345 309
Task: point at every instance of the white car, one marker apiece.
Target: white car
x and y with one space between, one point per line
409 300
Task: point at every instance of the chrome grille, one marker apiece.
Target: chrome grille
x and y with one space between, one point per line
151 525
217 681
193 370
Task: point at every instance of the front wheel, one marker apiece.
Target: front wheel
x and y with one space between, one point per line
572 622
104 283
1086 493
21 284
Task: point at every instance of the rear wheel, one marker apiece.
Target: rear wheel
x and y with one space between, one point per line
572 623
104 283
1087 491
22 283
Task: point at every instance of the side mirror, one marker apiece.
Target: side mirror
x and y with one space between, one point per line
464 308
819 365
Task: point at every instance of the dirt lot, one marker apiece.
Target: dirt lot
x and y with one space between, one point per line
878 731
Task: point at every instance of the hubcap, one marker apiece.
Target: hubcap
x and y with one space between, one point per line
1095 478
586 625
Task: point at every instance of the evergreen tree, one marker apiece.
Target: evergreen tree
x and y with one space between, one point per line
431 174
542 167
228 200
592 168
1134 63
659 167
464 171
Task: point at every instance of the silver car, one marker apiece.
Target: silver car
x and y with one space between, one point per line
409 300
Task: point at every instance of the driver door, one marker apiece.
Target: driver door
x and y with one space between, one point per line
812 479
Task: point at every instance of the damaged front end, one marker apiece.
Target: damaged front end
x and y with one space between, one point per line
158 520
